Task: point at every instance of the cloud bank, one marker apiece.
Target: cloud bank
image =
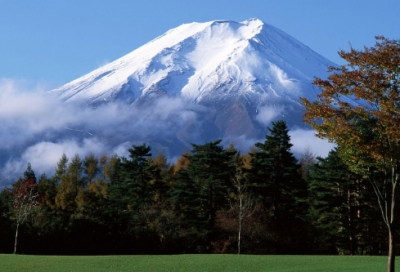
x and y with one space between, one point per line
303 139
266 115
38 128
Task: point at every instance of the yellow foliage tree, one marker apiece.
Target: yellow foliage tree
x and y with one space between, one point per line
368 134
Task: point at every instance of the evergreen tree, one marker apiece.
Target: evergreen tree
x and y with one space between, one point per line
29 174
339 208
185 196
279 186
134 181
276 172
202 188
6 230
328 185
210 167
47 222
207 179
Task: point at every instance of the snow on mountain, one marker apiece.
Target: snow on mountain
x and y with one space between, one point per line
198 82
206 63
232 78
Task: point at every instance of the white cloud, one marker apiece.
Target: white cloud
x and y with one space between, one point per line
25 114
241 143
33 128
302 139
267 114
122 149
40 127
44 155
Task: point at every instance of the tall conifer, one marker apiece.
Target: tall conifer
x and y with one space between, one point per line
276 171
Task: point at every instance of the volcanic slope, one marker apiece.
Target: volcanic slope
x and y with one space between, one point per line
243 75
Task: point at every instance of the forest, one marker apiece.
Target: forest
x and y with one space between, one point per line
213 200
217 200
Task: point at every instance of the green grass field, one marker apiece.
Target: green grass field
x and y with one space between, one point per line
198 263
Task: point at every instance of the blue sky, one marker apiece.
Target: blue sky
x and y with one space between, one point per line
58 41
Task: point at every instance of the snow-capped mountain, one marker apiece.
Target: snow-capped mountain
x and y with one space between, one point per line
205 62
198 82
246 74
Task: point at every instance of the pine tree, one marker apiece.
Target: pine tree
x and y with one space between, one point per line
210 167
329 186
29 174
340 209
207 179
280 188
186 198
276 171
202 189
134 181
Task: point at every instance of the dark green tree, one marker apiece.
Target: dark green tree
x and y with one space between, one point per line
276 172
340 208
210 168
185 196
29 173
280 187
202 189
333 208
134 182
6 224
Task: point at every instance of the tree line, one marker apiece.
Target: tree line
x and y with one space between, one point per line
213 200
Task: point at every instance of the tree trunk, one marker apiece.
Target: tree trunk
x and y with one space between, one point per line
16 240
211 216
239 238
349 202
392 249
240 226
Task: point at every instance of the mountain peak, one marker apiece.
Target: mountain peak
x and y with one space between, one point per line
205 62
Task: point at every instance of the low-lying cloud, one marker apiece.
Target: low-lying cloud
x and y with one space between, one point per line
266 115
38 128
303 139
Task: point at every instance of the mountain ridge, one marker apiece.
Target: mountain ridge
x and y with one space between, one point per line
196 83
203 62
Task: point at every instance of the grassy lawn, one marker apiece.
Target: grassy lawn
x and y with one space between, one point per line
198 263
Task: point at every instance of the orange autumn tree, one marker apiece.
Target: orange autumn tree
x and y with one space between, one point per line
368 134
